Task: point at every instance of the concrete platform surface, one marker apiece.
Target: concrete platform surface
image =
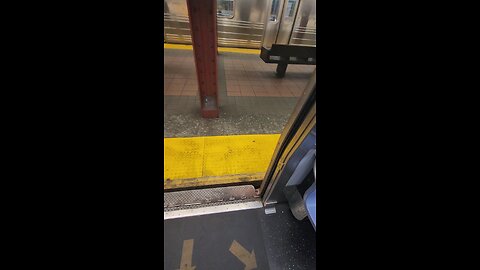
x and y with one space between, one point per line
252 100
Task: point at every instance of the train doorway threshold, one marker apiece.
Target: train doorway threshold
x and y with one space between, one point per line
237 235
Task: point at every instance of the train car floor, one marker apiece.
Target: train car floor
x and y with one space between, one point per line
245 239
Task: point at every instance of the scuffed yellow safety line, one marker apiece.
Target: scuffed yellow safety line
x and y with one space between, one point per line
177 46
220 49
213 180
217 159
239 50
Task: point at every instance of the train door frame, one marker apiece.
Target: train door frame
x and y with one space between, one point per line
298 127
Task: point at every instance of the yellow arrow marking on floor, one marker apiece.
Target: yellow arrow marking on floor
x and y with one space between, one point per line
247 258
187 252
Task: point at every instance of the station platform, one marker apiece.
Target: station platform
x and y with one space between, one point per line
254 106
252 100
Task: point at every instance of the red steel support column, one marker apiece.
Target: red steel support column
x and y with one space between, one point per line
203 27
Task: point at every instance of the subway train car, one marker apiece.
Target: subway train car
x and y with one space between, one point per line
248 23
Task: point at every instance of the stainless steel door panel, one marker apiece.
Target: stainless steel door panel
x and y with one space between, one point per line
305 30
272 24
286 24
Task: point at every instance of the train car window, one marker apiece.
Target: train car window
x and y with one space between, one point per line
291 8
274 10
225 8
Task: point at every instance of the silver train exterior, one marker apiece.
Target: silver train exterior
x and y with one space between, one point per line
248 23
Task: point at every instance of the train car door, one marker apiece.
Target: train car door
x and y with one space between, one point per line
280 22
289 14
304 30
272 24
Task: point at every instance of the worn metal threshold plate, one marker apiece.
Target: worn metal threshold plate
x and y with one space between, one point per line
209 201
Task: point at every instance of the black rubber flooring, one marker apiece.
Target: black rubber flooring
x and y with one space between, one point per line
228 240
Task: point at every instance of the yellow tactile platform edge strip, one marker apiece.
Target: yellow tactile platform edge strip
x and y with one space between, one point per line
212 160
220 49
